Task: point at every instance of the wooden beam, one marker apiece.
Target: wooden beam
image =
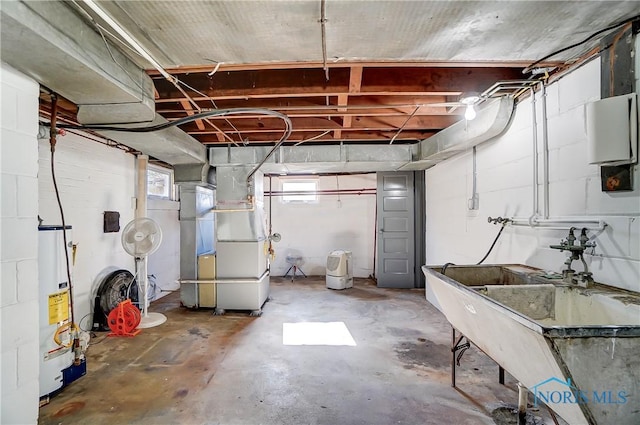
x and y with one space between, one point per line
173 115
371 136
355 79
187 107
343 99
320 124
359 105
311 82
355 82
346 64
296 98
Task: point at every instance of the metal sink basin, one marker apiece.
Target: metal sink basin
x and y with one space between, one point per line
555 306
503 274
478 277
575 348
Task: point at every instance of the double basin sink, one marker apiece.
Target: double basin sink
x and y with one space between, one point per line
576 349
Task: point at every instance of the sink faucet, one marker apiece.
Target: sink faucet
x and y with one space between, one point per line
569 275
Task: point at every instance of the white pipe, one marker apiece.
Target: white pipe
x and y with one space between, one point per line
534 183
560 223
199 281
522 404
575 219
141 188
145 286
129 39
545 151
220 210
535 220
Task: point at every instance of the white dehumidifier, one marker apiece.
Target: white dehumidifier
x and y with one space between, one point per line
339 270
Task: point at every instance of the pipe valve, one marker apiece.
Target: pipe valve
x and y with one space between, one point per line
501 220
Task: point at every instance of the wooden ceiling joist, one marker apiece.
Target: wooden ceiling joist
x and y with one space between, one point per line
187 107
359 101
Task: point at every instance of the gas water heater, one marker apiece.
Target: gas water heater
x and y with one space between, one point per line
56 350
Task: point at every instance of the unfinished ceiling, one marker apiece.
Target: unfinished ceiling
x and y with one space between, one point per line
343 71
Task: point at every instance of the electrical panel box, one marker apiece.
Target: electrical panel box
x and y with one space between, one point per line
111 222
612 130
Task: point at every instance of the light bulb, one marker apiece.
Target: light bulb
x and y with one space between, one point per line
470 113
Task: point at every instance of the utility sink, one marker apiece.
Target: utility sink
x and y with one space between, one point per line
575 348
481 276
503 274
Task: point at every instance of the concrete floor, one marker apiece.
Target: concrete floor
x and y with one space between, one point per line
234 369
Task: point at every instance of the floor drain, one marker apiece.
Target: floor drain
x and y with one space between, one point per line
508 415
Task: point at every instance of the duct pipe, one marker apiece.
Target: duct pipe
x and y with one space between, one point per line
54 45
492 120
135 44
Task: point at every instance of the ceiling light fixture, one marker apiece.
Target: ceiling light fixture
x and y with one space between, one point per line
470 99
470 113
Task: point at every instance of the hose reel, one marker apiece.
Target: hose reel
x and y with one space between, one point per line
117 287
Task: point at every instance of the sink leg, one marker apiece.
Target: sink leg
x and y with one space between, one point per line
522 404
453 357
500 375
457 345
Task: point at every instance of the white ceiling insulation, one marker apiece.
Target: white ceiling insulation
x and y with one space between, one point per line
341 71
183 33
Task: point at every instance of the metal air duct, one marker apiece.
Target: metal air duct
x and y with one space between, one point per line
490 122
49 42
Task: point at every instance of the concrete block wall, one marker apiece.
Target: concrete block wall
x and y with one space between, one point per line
19 313
313 230
92 178
505 186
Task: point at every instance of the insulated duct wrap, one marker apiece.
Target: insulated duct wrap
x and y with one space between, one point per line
52 44
491 121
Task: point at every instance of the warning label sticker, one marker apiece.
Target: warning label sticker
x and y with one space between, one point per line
58 307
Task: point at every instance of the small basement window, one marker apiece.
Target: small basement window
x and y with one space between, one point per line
300 191
159 182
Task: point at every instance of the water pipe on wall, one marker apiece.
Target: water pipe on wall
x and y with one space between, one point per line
535 220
